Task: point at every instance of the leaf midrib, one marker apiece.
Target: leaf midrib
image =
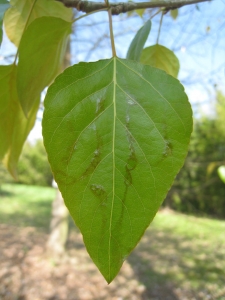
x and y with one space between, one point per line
113 160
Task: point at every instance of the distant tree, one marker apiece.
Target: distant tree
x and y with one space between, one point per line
33 167
197 188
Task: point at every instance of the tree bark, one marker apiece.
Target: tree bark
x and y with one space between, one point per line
58 227
59 224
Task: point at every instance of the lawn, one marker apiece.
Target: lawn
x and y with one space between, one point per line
184 250
23 205
180 257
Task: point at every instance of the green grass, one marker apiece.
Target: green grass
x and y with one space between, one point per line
187 251
177 250
24 205
189 226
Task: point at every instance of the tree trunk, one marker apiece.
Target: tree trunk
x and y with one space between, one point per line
58 227
59 221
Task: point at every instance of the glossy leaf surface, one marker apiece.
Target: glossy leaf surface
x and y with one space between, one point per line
22 13
44 43
4 5
116 133
14 126
161 57
137 44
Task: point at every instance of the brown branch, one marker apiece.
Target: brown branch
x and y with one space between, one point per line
123 7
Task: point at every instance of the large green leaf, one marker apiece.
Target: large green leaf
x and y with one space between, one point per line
161 57
116 133
138 42
22 13
14 127
41 52
4 5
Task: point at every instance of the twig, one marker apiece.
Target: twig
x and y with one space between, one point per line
111 34
160 25
123 7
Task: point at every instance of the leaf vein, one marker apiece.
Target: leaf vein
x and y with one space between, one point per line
140 76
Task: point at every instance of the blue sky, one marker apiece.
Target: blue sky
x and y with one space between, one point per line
197 37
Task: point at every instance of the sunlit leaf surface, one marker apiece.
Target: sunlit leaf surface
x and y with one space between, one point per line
14 126
161 57
23 13
221 173
41 53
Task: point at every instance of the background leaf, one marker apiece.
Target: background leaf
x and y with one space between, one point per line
211 167
116 133
14 126
174 13
221 173
17 16
161 57
4 5
44 42
140 12
137 44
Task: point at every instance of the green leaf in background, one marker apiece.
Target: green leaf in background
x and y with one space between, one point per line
140 12
4 5
116 133
41 52
22 13
211 167
174 13
14 126
221 173
162 58
137 44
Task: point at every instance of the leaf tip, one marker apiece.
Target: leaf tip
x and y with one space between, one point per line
11 168
109 280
